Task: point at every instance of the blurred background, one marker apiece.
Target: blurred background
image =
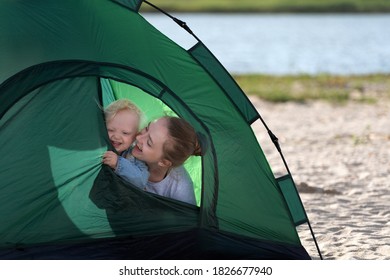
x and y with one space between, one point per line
335 48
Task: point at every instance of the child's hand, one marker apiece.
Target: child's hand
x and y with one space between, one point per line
111 159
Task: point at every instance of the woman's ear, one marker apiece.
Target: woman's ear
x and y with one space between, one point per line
165 163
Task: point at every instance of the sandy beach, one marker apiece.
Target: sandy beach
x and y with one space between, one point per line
339 156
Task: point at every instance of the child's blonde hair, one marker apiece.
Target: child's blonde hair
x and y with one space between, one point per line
120 105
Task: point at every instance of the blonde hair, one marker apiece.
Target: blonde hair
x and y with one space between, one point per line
182 141
120 105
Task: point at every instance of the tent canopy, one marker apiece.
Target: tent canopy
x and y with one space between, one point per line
60 63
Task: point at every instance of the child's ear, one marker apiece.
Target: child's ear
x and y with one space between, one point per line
165 163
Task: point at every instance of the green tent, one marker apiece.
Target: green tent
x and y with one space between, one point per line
60 63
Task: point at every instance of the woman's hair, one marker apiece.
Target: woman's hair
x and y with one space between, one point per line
182 141
120 105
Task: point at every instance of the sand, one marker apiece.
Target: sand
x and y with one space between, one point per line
339 157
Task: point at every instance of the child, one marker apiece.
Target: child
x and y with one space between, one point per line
122 121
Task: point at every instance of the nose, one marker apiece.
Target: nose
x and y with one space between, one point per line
140 136
112 136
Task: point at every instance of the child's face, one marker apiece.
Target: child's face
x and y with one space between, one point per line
122 129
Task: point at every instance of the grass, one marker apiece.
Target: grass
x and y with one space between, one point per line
271 6
331 88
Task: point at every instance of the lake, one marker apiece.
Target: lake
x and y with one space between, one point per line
281 44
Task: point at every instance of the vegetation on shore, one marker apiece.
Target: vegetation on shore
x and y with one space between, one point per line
332 88
271 6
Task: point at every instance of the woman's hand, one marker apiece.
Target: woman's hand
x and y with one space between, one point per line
110 158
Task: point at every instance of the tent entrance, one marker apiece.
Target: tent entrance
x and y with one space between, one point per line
152 109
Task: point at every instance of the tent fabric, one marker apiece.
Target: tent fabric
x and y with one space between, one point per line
187 245
61 62
293 201
222 77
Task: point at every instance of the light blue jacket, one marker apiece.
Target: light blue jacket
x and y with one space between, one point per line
132 170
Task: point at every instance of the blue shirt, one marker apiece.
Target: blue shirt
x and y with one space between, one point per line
132 170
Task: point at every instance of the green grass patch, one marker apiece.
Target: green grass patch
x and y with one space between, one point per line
332 88
271 6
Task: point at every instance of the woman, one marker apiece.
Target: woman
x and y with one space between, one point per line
164 145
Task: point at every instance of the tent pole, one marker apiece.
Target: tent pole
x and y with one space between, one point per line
181 23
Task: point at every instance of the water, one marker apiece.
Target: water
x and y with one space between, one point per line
288 43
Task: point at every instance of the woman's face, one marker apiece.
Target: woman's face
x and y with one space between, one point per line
150 141
122 129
